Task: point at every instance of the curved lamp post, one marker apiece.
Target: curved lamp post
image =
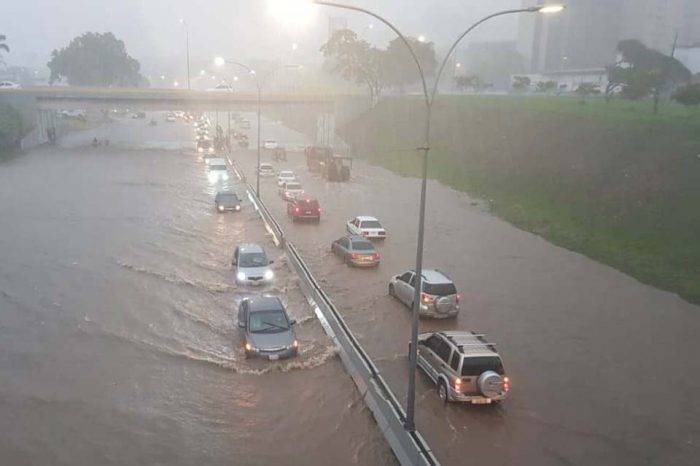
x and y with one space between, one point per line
409 423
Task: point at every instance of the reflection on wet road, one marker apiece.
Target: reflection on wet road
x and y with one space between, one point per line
117 338
604 369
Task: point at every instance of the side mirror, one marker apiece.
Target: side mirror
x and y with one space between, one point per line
293 321
271 262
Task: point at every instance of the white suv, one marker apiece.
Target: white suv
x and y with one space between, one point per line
464 366
285 176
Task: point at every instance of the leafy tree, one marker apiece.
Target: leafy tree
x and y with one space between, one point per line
546 86
585 90
642 72
521 83
473 82
399 68
95 59
355 60
3 46
688 95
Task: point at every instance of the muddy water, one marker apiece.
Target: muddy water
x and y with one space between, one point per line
605 369
117 338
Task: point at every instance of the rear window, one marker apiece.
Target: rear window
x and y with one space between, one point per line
439 289
370 224
477 366
362 246
217 167
309 203
293 186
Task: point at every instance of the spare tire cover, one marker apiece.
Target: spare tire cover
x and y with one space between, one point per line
490 384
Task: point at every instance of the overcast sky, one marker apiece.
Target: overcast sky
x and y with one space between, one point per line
235 28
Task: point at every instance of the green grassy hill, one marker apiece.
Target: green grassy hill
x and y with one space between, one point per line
610 180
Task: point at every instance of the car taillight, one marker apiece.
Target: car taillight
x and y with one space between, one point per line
354 255
506 384
365 233
426 298
375 256
459 297
296 209
458 384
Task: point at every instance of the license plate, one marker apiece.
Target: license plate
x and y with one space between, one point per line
481 401
274 357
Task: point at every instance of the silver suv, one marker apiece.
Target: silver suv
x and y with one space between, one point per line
464 366
439 298
251 265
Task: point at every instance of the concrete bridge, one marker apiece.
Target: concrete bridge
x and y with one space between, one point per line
313 114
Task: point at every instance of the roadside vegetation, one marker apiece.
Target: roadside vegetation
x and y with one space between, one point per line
12 129
612 180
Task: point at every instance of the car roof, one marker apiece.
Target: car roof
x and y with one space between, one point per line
265 303
470 343
358 238
286 171
366 218
434 276
249 247
267 165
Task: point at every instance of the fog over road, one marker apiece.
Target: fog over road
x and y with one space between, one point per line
604 369
117 338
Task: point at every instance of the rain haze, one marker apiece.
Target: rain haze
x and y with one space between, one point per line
416 232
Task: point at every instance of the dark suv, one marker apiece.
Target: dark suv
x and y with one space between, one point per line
464 366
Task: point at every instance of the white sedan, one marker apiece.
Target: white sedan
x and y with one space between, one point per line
270 144
369 227
9 85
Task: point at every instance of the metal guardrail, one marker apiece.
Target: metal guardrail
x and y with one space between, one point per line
409 447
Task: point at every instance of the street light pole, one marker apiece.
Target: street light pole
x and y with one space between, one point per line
220 62
187 41
409 423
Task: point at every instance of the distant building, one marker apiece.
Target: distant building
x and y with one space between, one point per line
690 57
492 62
586 34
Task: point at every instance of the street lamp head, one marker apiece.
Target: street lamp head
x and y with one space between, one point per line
550 9
421 38
219 61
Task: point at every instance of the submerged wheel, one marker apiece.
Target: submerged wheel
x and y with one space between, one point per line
442 391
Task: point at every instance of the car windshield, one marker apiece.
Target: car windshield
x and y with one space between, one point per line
217 167
293 186
362 246
265 167
286 174
273 321
228 197
478 365
439 289
370 224
252 259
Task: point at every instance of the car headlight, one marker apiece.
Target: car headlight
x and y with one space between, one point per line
238 207
240 276
211 150
268 275
200 150
251 348
212 177
221 208
225 176
295 344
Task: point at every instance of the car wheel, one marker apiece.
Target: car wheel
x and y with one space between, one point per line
391 291
442 391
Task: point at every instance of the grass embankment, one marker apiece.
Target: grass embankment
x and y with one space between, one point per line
610 180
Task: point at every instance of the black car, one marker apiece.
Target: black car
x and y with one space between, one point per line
356 251
226 200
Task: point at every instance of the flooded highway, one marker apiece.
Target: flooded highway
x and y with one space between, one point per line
117 336
603 368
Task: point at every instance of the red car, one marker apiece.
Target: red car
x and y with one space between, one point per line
304 207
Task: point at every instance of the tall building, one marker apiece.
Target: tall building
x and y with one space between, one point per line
586 34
